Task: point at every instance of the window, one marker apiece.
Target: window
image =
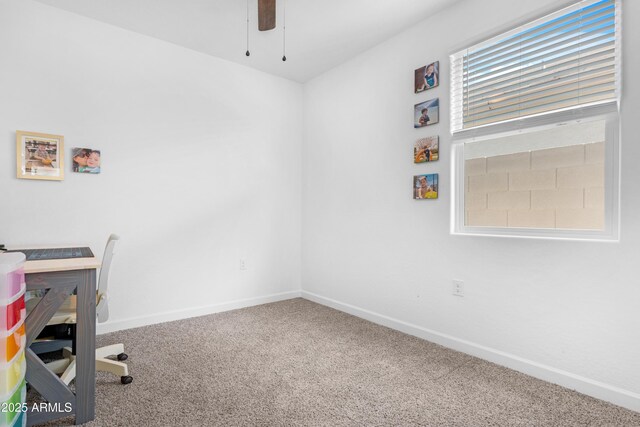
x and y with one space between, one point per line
534 118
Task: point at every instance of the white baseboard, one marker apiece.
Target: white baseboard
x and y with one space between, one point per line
597 389
168 316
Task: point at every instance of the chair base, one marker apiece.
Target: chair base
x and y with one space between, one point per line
66 367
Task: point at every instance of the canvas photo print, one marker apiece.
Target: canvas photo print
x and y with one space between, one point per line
426 113
426 150
86 160
427 77
425 186
39 156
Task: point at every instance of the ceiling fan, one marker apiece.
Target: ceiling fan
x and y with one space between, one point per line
267 21
266 15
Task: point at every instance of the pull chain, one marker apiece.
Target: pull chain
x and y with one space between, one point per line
284 30
248 53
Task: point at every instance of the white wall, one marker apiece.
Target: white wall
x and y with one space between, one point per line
201 163
561 310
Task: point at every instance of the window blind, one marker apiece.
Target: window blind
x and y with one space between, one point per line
565 60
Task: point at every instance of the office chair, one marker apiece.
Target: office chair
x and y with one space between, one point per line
66 367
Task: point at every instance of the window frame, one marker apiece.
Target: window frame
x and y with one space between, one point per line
611 230
608 111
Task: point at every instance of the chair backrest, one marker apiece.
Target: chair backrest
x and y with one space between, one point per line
103 308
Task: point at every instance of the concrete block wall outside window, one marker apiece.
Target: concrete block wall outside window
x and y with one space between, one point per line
554 188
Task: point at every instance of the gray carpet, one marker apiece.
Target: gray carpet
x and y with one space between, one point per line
297 363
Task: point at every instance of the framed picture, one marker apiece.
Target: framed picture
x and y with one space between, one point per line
425 186
39 156
86 160
427 77
426 113
426 150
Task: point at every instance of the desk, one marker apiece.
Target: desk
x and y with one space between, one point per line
60 278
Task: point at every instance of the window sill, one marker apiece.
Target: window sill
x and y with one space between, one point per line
545 234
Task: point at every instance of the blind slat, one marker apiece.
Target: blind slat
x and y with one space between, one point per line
532 87
579 44
597 25
571 92
544 24
594 100
571 25
564 64
579 95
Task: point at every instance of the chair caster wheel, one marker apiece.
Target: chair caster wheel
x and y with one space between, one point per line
123 356
126 379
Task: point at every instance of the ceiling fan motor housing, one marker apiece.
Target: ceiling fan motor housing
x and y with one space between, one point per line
266 15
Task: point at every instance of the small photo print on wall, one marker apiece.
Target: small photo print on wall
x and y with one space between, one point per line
426 150
425 186
426 113
427 77
86 160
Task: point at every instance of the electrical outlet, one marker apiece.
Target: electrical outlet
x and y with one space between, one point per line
458 288
243 264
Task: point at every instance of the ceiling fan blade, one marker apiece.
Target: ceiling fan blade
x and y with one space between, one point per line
266 15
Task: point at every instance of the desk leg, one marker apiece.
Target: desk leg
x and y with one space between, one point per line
86 349
41 379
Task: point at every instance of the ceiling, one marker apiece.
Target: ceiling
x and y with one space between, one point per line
320 33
